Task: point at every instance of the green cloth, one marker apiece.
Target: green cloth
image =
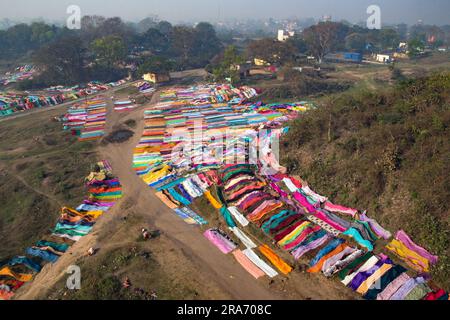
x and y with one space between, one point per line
353 265
227 216
418 292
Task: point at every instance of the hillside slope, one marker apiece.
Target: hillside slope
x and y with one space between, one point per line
387 152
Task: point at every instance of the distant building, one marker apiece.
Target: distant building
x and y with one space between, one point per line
157 77
383 58
327 18
284 35
344 57
261 63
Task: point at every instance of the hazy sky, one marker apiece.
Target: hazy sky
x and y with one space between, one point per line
393 11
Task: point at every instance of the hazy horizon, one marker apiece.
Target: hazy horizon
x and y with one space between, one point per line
399 11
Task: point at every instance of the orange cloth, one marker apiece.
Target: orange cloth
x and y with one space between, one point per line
247 264
318 267
166 201
6 271
275 260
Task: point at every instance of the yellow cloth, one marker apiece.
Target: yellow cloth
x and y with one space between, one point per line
365 286
416 261
6 271
291 236
212 200
275 260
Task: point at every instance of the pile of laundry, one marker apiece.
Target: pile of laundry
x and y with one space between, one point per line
145 87
87 120
104 190
19 74
198 144
123 106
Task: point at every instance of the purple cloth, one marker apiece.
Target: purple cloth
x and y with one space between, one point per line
403 237
224 245
362 276
375 226
300 251
407 288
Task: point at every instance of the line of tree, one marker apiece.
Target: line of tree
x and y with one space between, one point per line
107 49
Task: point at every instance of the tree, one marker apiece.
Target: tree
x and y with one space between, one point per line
271 51
356 42
182 44
109 50
206 43
324 38
229 66
389 38
62 61
155 40
416 46
155 64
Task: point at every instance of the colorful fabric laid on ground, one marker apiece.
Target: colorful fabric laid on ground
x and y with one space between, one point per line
124 106
12 103
415 256
220 240
197 146
247 264
104 190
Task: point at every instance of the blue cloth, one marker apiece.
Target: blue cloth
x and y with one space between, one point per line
26 262
352 232
45 255
178 197
333 244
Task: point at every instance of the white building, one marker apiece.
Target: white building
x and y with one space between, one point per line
383 58
283 35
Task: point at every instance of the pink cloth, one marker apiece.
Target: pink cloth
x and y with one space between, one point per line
219 241
338 208
304 202
393 287
324 218
403 237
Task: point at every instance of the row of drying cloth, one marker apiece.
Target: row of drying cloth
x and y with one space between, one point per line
294 236
300 234
104 190
176 191
19 74
87 121
124 105
11 103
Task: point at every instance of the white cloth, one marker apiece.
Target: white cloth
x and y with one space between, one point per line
260 263
290 185
238 216
317 197
366 266
243 237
